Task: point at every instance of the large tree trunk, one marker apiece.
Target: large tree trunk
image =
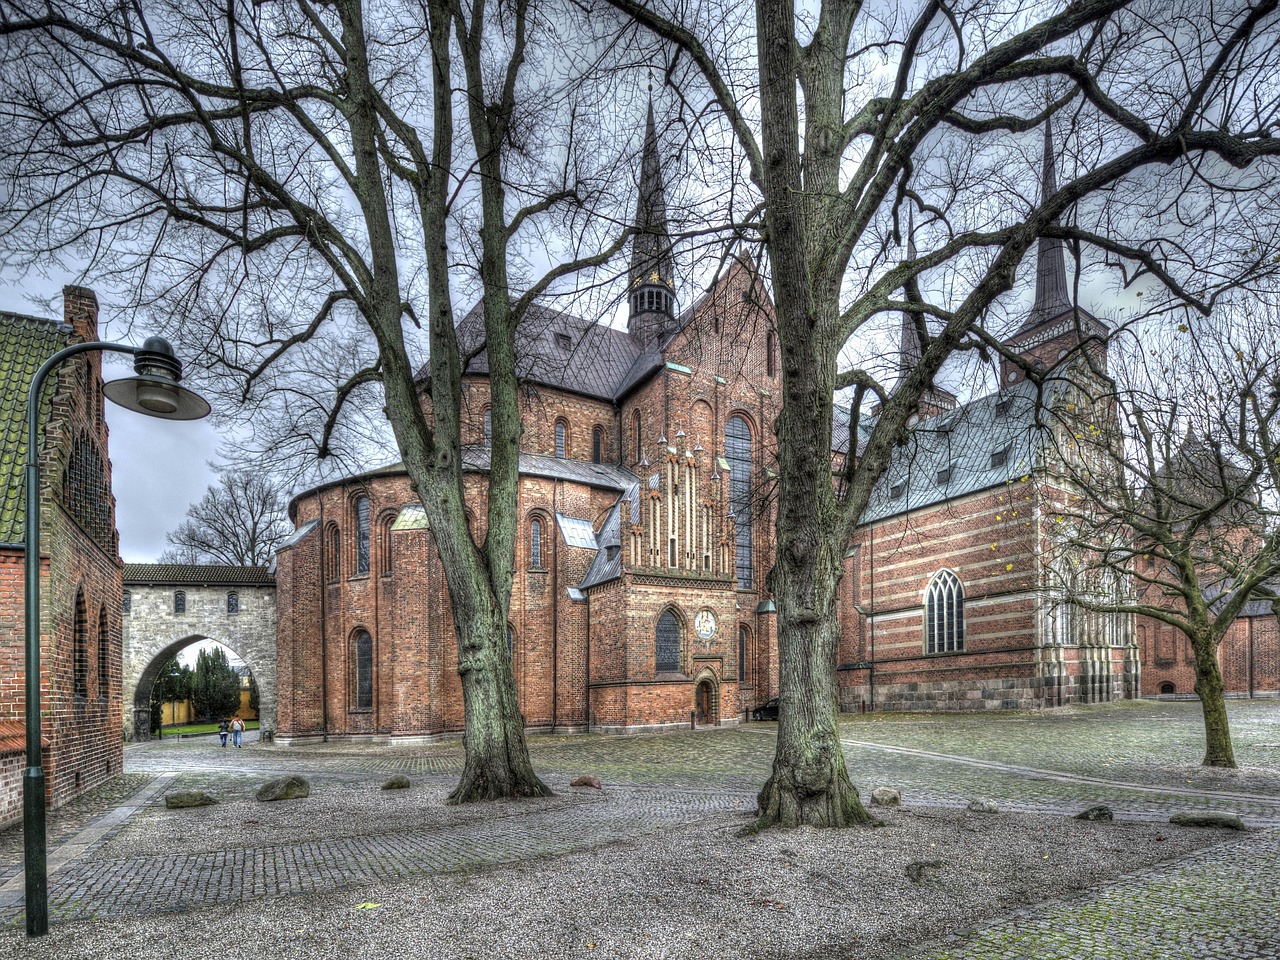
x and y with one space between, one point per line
1218 751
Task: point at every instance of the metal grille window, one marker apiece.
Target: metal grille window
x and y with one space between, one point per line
364 671
737 450
179 602
80 652
944 614
233 603
535 543
560 439
668 643
362 535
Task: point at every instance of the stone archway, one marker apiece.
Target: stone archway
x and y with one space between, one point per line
706 700
154 629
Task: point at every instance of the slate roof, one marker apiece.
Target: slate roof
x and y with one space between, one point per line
964 443
604 475
605 567
25 343
196 575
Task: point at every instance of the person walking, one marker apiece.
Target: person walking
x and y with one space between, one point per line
223 727
237 730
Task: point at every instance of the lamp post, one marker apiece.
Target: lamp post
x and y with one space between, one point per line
154 392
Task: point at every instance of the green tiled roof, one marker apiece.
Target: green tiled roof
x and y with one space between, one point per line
25 343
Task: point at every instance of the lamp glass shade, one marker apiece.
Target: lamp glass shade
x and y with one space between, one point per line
157 397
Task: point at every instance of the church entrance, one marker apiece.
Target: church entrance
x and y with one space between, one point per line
706 703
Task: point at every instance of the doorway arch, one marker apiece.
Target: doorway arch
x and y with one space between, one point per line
706 700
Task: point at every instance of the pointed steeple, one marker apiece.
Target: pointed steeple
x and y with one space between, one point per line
910 349
1053 294
652 286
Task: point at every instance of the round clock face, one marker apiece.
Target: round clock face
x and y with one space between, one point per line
705 624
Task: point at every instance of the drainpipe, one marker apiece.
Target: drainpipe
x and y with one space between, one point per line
324 631
1250 658
555 603
871 623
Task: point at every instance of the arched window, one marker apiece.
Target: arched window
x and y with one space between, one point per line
333 559
770 351
667 643
742 653
737 450
597 445
639 439
561 433
127 606
80 650
233 602
362 535
179 602
104 655
1167 689
362 672
535 542
384 543
488 427
944 614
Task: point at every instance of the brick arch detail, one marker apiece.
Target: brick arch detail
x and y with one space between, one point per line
152 633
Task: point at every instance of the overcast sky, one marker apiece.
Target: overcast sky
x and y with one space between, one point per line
158 467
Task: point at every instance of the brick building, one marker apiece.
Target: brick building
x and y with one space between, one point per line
80 565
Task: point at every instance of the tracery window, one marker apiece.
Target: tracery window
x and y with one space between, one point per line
737 450
362 535
667 636
944 614
362 673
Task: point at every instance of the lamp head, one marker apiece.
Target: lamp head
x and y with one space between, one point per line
155 391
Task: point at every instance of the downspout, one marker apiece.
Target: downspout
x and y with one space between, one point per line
555 603
871 672
375 583
1251 658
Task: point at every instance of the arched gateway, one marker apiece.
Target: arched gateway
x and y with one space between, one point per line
169 606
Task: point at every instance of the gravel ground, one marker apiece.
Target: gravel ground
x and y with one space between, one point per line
697 891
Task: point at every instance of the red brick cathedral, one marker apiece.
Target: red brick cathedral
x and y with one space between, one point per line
646 533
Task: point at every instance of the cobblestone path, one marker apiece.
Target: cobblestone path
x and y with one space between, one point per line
1200 907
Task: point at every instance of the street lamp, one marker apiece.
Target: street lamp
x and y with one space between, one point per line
154 392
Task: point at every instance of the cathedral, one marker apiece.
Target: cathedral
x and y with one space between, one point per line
639 601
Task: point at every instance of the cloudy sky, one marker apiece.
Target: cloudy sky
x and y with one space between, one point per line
159 467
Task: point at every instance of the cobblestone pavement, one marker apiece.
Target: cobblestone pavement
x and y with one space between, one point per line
1137 758
1201 907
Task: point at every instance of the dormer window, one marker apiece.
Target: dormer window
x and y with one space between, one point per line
1000 457
1003 406
897 490
944 476
563 341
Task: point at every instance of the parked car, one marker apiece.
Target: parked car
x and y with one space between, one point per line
768 711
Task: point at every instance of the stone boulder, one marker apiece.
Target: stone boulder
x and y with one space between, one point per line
183 799
885 797
1222 821
1094 814
981 805
398 782
284 788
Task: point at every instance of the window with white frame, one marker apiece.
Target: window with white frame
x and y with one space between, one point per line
944 614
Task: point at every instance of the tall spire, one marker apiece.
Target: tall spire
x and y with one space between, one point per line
910 349
652 287
1053 295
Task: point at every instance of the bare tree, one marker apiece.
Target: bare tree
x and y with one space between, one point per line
298 188
1175 514
239 522
846 113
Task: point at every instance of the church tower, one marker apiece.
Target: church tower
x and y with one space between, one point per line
1055 328
652 279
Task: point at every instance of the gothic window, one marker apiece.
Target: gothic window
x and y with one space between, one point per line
944 614
639 440
333 558
384 543
127 606
362 535
104 655
770 348
737 450
742 654
535 542
179 602
233 602
561 432
80 650
362 672
597 445
668 643
488 427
